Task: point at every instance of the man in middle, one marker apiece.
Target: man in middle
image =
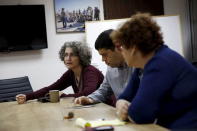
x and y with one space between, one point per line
117 75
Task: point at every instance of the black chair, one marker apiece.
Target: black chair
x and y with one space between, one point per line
9 88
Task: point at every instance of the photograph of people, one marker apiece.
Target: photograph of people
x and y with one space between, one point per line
71 14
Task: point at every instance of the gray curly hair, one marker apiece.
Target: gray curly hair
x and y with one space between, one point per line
79 49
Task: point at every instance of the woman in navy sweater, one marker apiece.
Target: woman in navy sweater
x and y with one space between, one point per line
83 77
163 87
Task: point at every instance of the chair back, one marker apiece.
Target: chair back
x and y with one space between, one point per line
9 88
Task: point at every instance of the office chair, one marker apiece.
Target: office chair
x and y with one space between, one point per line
9 88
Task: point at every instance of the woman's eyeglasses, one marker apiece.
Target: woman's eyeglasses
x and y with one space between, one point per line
70 55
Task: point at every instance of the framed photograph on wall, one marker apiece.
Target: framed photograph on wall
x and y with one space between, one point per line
70 15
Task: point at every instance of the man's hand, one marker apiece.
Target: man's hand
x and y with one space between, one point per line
83 100
122 109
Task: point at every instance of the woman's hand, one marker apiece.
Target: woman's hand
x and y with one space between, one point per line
122 109
21 98
83 100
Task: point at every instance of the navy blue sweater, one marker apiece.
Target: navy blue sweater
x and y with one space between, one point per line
166 92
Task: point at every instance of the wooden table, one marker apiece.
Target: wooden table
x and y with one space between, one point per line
35 116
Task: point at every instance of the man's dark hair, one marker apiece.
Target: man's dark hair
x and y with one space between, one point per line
104 41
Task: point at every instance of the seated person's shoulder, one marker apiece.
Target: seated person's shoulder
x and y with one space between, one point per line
68 72
111 69
91 68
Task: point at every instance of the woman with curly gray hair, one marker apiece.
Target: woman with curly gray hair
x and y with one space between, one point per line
83 77
78 49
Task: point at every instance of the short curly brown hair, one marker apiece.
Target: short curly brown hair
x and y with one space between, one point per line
140 31
79 49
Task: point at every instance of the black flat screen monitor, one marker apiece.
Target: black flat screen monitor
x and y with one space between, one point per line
22 27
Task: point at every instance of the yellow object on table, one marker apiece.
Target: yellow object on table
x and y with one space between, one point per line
84 123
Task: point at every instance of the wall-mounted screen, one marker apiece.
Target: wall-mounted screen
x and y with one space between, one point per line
22 27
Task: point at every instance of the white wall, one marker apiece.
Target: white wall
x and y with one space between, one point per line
43 67
179 7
